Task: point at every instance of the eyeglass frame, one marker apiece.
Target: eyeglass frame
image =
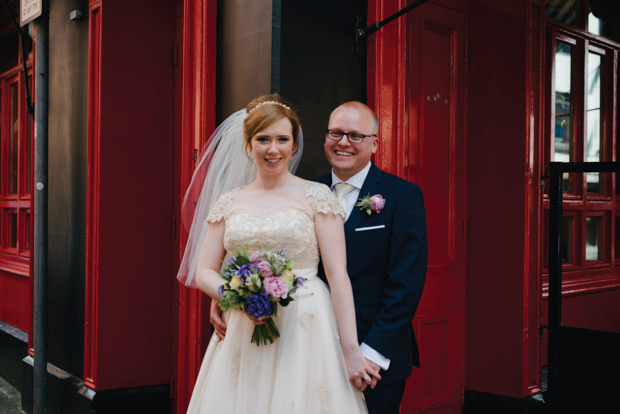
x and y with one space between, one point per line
348 135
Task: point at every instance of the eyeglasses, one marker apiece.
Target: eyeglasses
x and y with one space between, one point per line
353 137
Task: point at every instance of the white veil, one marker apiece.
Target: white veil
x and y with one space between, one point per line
224 166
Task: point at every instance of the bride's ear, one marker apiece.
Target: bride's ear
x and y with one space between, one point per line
248 150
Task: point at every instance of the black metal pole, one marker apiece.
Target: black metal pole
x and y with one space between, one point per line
555 277
40 209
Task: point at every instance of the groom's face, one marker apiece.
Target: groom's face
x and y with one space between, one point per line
346 158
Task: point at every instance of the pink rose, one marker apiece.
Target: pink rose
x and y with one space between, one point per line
255 257
275 287
377 202
265 268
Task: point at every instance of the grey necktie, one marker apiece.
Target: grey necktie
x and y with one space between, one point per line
342 189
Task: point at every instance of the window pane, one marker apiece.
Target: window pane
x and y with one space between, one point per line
28 147
27 232
566 11
594 24
9 51
603 19
13 230
593 238
566 242
563 108
593 119
13 128
617 237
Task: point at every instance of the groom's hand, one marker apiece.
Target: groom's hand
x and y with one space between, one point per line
373 379
216 319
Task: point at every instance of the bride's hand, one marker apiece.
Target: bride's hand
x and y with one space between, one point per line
256 321
362 372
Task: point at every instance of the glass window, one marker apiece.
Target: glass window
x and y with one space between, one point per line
594 24
593 119
16 175
13 133
12 230
594 237
603 18
566 241
565 11
563 148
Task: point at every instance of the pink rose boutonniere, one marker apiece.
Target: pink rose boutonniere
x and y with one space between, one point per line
371 203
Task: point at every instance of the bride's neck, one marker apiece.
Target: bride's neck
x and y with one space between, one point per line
269 182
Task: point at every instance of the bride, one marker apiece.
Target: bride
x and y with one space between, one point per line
316 365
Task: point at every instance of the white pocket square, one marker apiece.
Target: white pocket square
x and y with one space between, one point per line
370 228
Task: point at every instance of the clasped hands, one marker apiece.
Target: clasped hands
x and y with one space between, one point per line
363 373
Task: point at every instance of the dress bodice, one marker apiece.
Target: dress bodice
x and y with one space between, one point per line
291 227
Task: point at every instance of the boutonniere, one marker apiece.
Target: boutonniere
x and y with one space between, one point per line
371 203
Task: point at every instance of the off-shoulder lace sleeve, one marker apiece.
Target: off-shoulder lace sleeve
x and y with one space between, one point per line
322 200
221 209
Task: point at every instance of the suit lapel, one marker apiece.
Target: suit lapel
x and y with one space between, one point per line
371 186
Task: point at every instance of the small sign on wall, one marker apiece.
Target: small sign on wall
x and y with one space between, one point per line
29 10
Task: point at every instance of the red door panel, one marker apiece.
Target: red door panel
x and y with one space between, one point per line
436 140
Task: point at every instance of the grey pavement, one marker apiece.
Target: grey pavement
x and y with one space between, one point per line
10 399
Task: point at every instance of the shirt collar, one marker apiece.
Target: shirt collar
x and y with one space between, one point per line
356 181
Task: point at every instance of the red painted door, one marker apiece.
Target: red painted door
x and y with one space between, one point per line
435 158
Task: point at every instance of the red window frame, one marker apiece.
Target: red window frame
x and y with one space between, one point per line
16 259
581 273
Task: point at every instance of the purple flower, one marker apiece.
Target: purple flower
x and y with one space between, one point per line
220 290
244 271
255 257
265 268
258 305
300 282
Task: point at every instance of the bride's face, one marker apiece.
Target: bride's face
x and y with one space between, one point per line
273 147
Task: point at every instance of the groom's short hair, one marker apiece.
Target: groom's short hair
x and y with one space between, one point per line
360 106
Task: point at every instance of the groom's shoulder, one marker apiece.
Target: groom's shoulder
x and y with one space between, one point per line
323 179
398 184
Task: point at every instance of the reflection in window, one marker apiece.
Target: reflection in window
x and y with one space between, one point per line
563 108
566 11
28 145
594 24
566 241
593 238
603 18
13 230
13 126
27 235
593 119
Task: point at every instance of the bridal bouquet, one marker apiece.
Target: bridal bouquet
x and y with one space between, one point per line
256 283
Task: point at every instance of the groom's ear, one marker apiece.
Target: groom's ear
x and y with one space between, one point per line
375 144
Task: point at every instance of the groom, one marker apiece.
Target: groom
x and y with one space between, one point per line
386 250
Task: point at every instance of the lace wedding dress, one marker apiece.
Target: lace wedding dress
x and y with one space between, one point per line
303 371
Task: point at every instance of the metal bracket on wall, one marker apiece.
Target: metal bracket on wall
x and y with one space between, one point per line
361 34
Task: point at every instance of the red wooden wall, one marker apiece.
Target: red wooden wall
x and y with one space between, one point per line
503 285
195 46
130 194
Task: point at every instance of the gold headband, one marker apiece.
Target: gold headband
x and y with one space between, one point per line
269 102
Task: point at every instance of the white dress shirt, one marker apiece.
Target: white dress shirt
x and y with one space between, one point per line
357 181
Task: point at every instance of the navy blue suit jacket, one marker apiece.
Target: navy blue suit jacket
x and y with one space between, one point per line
387 268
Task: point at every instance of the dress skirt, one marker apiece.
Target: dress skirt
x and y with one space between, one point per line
302 372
